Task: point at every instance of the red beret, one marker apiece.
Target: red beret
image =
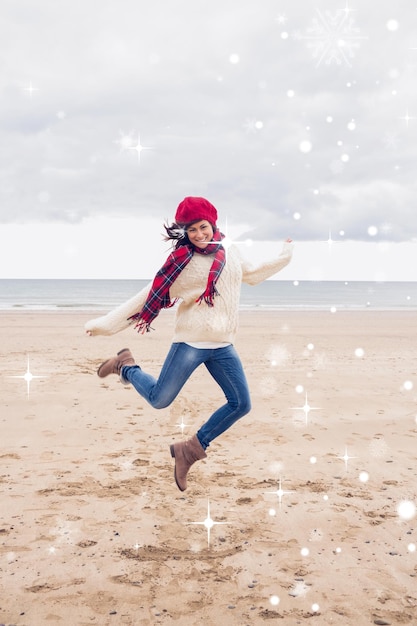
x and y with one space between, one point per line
194 209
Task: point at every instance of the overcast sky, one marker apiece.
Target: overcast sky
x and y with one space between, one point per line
295 118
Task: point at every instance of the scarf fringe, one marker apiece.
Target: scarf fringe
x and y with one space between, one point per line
208 296
144 326
141 325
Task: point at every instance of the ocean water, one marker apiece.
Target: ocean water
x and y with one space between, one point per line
102 295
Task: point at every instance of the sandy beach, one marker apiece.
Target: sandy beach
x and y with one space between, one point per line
312 494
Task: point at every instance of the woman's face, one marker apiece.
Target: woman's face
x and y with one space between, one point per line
200 233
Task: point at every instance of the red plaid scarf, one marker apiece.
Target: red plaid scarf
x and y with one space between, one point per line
158 297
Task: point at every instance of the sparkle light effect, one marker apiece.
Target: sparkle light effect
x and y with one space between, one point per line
330 242
28 377
182 425
274 600
411 547
346 458
407 117
280 492
208 523
139 148
332 38
31 89
306 408
227 241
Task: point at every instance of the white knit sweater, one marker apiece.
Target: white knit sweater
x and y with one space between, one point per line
199 322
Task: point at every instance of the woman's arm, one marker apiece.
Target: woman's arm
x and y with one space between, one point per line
253 275
117 319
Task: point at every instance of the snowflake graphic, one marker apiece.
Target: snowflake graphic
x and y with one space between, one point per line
268 386
299 589
252 125
332 38
336 166
385 228
378 447
390 140
321 361
277 355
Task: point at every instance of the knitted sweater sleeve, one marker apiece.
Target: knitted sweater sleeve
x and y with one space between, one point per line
254 275
117 319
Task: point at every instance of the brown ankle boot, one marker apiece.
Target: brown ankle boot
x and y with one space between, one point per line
115 364
185 454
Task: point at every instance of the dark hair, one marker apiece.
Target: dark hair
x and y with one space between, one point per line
177 233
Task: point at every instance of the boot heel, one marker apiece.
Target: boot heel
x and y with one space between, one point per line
171 447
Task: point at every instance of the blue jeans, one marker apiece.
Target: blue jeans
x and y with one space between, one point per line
223 364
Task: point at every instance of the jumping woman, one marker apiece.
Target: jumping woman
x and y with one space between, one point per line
207 279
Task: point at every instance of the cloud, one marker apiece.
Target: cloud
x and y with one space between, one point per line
224 94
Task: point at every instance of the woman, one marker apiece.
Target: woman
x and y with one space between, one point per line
207 279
